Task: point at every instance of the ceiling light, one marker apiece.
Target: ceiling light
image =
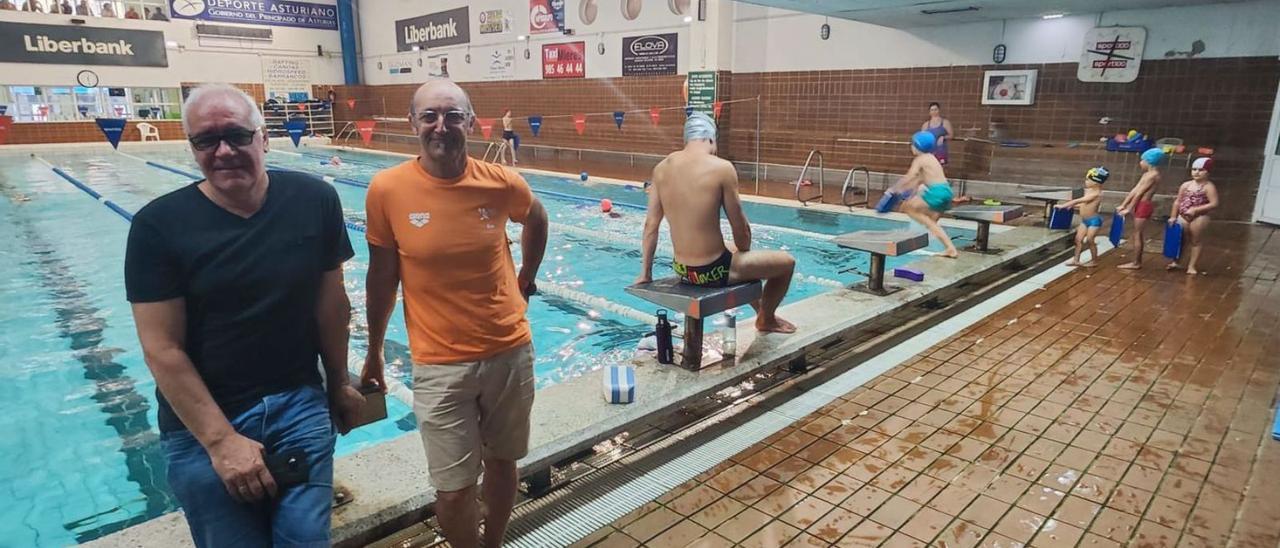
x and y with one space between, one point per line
951 10
171 44
522 38
688 19
1053 16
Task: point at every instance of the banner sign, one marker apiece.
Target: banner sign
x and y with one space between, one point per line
113 128
502 64
702 92
494 22
580 123
296 127
546 16
535 125
285 76
617 118
6 122
365 127
1112 54
78 45
444 28
564 60
278 13
649 54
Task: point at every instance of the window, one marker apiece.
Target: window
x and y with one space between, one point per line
47 104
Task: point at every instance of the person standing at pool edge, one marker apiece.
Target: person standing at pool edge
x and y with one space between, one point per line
236 285
689 188
437 225
940 127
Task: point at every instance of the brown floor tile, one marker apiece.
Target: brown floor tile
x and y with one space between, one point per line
866 500
1077 511
1114 524
772 535
838 489
636 514
1045 449
894 478
651 524
743 525
731 478
806 512
868 534
960 534
841 459
834 525
618 539
779 500
766 458
985 512
867 468
711 540
1094 488
817 451
806 540
794 441
1007 488
926 524
717 512
902 540
922 489
1130 500
1168 512
754 490
1055 534
693 500
813 478
1094 541
1108 467
997 540
895 512
681 534
1041 500
1154 535
1019 524
784 470
1028 468
953 500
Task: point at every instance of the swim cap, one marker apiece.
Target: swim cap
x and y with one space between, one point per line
1153 156
938 196
699 127
1205 163
924 141
1100 174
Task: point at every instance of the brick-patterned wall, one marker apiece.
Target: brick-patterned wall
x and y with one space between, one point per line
84 132
257 91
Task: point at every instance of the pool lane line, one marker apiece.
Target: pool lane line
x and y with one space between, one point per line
88 190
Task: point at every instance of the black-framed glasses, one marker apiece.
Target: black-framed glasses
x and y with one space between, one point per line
235 137
452 118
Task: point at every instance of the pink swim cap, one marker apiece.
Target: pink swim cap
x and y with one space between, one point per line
1205 164
606 205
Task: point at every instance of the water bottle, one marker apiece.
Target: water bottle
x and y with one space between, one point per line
666 352
730 347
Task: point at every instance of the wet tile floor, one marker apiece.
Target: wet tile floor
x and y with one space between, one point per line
1111 408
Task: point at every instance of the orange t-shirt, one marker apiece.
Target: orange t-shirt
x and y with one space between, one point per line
461 299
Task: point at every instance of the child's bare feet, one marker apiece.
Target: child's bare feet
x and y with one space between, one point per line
1193 272
1130 266
1074 263
1172 266
1090 264
950 253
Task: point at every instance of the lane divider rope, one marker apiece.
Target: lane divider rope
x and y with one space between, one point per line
87 189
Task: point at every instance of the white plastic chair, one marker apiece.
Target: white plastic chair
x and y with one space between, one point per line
148 130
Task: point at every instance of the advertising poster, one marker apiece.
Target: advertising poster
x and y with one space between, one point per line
546 16
564 60
283 76
501 64
649 55
494 22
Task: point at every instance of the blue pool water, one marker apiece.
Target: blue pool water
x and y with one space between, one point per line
77 402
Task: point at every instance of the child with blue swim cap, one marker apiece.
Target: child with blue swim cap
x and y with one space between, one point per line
1141 202
923 193
1091 221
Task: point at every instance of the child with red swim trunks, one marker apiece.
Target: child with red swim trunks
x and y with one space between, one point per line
1139 202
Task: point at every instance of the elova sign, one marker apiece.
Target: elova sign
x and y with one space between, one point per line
650 45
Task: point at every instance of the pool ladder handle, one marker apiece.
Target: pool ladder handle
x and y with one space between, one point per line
497 148
821 178
850 185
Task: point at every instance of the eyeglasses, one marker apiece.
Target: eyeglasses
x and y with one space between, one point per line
235 137
451 118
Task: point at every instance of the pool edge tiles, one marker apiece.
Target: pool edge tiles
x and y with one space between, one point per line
572 415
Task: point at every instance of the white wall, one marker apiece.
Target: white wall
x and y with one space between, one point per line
378 40
774 40
235 62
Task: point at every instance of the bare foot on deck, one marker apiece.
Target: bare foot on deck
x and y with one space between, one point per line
1172 266
950 253
1129 266
1090 264
778 325
1193 272
1073 263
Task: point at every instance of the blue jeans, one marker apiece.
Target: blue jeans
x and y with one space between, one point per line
297 516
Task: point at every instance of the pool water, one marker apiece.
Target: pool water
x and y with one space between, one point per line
77 401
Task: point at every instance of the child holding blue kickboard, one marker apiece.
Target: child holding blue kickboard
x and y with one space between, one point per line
1190 215
1090 220
923 193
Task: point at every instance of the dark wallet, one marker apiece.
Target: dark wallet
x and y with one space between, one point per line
289 468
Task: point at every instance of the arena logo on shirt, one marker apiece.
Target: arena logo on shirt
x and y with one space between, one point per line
419 219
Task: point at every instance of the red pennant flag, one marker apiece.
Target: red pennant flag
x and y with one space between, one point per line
351 104
365 127
486 126
653 115
6 122
302 106
580 123
715 108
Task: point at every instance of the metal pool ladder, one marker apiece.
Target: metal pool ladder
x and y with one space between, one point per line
821 178
850 185
496 148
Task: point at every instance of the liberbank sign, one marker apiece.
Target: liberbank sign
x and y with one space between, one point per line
75 45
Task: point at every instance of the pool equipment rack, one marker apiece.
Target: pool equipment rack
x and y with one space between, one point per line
881 244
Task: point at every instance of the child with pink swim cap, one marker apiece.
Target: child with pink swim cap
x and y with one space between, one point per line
1196 198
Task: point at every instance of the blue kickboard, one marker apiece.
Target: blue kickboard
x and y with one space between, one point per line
1060 219
1173 241
888 202
1275 427
1117 229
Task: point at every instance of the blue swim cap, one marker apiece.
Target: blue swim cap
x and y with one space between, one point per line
924 141
938 196
699 127
1100 174
1153 156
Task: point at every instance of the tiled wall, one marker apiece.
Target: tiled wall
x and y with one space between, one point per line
84 132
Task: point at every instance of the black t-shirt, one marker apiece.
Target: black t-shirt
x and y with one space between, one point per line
250 285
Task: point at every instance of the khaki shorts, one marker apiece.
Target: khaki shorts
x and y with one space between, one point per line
472 411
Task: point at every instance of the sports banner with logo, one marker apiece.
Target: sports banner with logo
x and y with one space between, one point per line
277 13
445 28
564 60
649 55
79 45
365 127
296 127
113 128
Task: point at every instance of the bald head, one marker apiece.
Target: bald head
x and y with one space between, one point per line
437 93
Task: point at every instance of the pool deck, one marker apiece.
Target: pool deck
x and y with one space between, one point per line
1110 408
388 481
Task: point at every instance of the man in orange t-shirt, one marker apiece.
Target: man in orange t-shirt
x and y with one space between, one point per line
437 225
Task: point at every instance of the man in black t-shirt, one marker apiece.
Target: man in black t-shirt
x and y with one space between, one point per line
236 285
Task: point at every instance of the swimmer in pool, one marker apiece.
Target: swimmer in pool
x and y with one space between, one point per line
1139 202
689 188
924 191
1196 199
335 161
1090 220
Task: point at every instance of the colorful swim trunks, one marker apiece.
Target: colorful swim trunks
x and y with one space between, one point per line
1144 210
715 274
1093 222
938 196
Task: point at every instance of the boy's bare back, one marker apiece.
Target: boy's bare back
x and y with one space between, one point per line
690 188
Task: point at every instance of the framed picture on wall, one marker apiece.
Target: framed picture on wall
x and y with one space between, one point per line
1009 87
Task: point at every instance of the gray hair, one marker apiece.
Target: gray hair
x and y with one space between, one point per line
205 91
434 81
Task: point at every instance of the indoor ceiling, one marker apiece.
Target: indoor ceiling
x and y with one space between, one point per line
917 13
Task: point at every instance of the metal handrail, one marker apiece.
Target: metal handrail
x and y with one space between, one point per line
821 178
500 148
848 182
345 127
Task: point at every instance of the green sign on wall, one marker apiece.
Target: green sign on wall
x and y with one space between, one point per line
702 91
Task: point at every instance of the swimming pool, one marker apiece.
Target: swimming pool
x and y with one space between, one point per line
79 401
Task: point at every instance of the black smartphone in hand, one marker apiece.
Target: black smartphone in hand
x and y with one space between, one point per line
289 468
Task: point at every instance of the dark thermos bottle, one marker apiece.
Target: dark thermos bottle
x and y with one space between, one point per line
666 352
